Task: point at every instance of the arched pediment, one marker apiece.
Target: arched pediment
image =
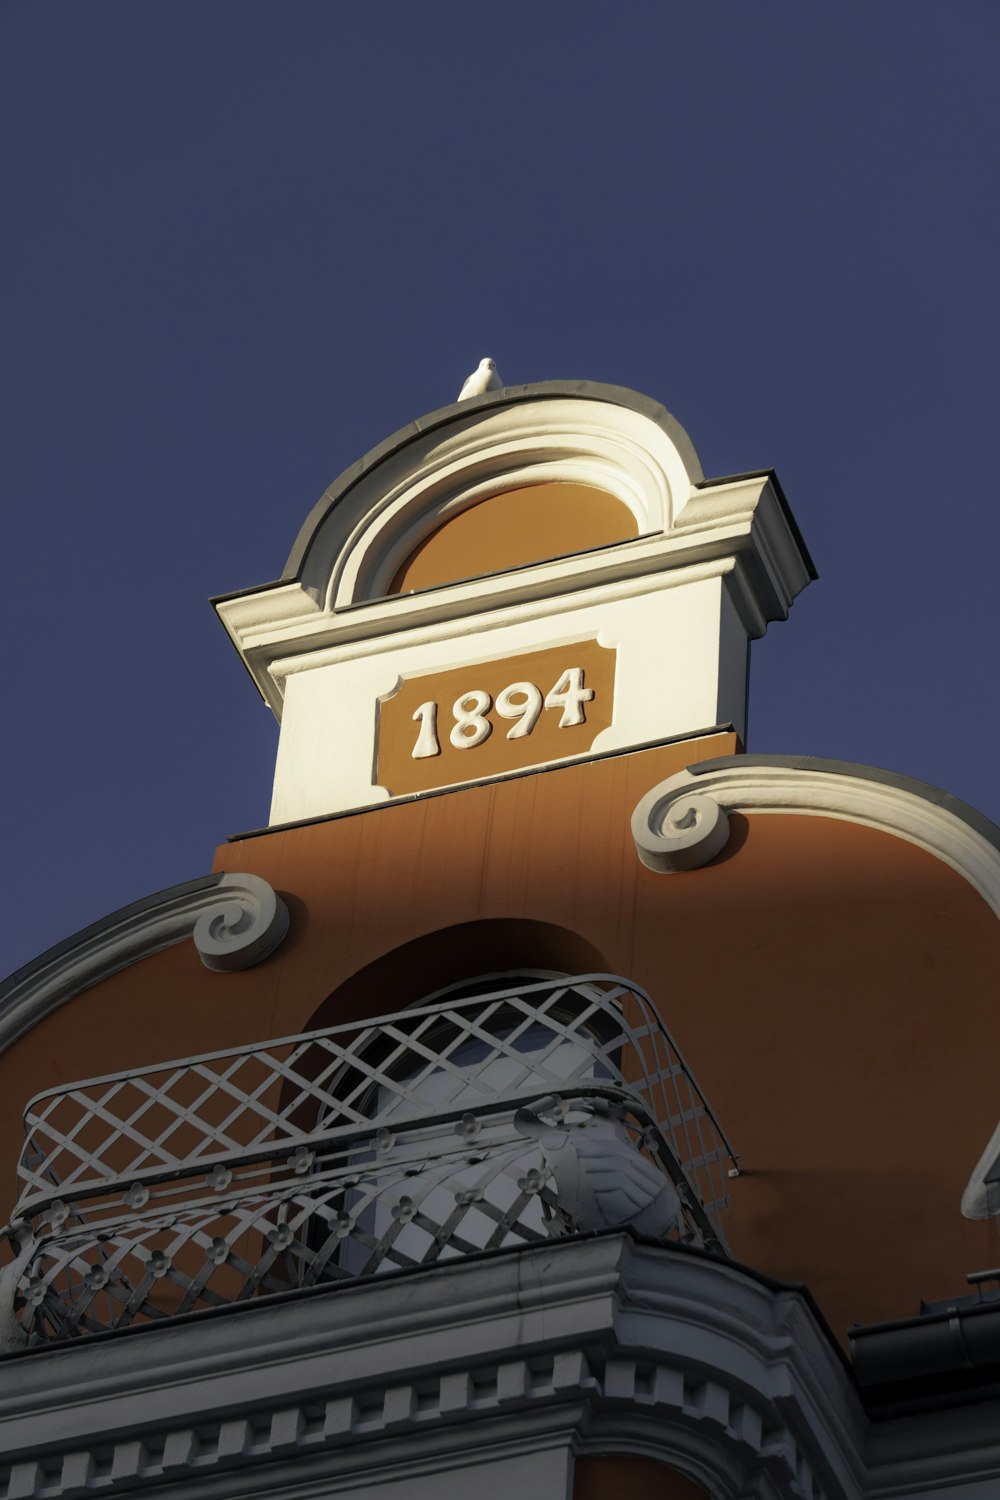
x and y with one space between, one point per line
377 514
555 518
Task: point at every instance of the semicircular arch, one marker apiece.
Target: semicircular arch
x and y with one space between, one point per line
444 958
374 517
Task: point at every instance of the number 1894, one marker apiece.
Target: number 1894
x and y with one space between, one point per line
521 701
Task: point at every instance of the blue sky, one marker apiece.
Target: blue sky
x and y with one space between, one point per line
247 240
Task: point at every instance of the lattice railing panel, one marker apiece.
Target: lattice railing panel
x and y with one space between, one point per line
334 1226
343 1153
260 1103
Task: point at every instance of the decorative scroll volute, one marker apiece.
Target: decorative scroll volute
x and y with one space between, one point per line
676 828
243 927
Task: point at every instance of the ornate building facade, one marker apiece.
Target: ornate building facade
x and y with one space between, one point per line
554 1098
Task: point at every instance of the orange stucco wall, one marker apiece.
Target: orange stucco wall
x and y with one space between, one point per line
520 526
831 986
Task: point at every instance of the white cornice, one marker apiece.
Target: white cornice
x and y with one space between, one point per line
737 528
558 1345
235 921
575 1346
548 603
363 540
675 828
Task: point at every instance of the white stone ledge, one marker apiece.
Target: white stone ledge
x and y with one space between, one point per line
597 1344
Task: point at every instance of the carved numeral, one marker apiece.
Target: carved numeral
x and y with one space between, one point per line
521 701
570 695
427 740
471 728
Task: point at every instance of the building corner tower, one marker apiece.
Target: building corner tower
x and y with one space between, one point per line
554 1098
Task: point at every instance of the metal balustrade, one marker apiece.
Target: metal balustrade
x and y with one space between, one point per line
348 1152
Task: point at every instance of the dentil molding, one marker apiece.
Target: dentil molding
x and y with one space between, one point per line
581 1347
596 1344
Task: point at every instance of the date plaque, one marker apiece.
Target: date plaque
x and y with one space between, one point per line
441 728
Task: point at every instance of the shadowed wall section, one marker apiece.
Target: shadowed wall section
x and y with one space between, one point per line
614 1476
831 986
415 970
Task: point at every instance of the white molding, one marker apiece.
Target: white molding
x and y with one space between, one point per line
369 534
241 929
674 833
235 920
712 565
365 636
896 807
681 666
738 530
586 1346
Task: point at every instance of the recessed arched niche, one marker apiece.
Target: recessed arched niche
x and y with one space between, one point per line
514 528
408 974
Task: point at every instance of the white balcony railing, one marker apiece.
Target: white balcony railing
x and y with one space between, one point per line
349 1152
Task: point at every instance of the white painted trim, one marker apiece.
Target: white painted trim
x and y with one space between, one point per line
659 823
370 533
675 638
235 921
582 1346
366 639
242 929
737 529
674 833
